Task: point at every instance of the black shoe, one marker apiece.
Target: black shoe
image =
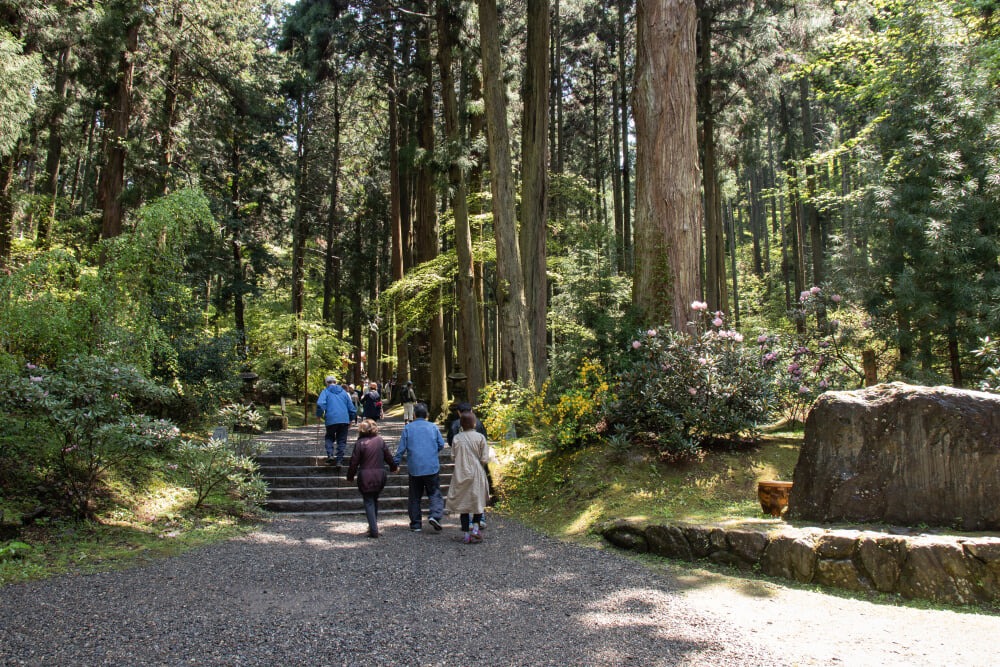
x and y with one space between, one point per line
415 529
435 524
373 535
329 460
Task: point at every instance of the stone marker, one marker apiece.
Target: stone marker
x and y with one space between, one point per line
901 454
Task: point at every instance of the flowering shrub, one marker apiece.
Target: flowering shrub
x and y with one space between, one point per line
824 358
572 417
682 389
86 414
503 407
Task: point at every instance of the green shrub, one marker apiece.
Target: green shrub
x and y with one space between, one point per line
681 390
86 420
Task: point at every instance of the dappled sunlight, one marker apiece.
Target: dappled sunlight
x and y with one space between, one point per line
586 519
165 500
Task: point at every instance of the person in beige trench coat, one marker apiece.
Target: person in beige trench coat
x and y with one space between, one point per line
469 492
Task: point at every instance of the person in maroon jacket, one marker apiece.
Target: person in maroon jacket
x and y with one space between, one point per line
368 463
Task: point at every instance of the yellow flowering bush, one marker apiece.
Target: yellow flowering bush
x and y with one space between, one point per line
573 416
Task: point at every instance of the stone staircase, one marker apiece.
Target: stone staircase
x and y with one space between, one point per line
302 483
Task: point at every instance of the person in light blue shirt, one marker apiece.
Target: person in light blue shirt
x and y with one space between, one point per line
420 443
337 409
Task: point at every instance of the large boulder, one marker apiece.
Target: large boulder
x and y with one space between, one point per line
901 454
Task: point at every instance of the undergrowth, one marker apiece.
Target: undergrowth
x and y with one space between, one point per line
567 493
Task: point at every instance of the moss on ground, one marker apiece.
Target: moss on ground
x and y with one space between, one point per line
566 493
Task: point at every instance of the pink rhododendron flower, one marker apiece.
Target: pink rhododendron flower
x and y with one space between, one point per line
36 378
814 290
717 321
803 389
762 339
651 333
702 360
636 344
835 298
803 296
699 305
32 367
738 337
692 391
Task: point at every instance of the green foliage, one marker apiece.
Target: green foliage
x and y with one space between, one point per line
215 464
504 407
21 75
13 550
139 307
570 418
227 463
682 389
87 420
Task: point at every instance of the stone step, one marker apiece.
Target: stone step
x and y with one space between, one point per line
336 493
333 482
337 506
328 470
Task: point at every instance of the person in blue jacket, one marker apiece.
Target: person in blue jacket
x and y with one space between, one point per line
337 409
420 442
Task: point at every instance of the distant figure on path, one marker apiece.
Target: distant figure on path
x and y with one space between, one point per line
470 490
369 460
353 393
338 412
420 442
408 397
371 403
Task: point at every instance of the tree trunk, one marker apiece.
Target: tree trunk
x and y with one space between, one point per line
626 162
812 213
470 329
7 163
535 181
300 222
616 180
668 215
170 106
395 203
116 135
54 156
715 247
239 269
332 262
427 223
514 331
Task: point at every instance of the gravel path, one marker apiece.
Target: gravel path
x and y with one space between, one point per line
308 591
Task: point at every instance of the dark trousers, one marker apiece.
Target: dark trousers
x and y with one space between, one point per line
431 485
476 518
371 511
336 433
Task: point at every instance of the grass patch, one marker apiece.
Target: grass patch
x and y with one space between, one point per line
566 493
138 522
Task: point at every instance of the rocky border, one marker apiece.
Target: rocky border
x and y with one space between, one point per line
955 570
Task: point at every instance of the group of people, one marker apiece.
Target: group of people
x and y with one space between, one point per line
420 443
341 405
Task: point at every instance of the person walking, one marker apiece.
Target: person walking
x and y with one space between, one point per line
464 408
368 461
408 397
420 442
469 492
371 403
353 394
338 412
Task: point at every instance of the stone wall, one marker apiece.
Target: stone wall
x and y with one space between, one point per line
956 570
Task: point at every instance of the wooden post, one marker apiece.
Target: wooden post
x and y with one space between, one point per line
870 368
305 380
